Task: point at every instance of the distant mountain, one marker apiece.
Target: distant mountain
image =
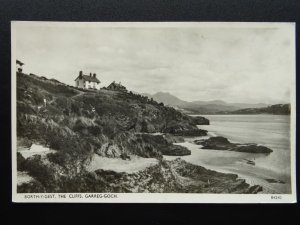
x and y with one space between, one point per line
200 107
279 109
167 99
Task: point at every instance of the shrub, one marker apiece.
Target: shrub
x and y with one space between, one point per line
59 158
79 126
38 170
61 102
109 131
75 109
36 97
95 130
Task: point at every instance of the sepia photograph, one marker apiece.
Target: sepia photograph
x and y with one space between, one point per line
186 112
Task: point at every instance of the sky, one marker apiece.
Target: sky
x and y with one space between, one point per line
245 63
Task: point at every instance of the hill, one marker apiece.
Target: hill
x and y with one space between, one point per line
200 107
168 99
279 109
78 125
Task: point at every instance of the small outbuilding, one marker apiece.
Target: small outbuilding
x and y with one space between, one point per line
116 87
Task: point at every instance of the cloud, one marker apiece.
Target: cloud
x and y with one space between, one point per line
246 64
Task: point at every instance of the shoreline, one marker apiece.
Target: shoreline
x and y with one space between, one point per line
161 176
273 181
176 176
142 166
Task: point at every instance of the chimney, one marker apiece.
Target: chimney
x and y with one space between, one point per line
90 74
80 74
94 75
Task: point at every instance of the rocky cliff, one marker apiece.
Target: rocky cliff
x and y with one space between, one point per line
113 124
106 121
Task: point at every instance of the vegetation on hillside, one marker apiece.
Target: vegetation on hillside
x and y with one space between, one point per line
80 123
279 109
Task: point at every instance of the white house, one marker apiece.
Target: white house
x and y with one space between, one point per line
87 81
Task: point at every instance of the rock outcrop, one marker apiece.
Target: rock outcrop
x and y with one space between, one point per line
221 143
200 120
173 139
175 150
160 144
217 143
175 176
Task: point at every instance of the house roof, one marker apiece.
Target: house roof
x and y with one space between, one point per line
89 78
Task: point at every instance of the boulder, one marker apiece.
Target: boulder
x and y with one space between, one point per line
221 143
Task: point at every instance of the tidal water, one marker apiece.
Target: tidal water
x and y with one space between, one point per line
272 131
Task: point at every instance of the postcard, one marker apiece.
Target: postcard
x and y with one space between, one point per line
153 112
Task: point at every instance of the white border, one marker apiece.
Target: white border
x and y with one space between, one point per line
13 111
155 197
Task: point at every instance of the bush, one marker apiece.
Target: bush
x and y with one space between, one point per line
38 170
61 102
75 109
79 126
36 97
57 142
59 158
95 130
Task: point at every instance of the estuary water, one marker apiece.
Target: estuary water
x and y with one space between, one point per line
272 171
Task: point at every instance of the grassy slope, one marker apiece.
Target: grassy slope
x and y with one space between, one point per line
91 121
